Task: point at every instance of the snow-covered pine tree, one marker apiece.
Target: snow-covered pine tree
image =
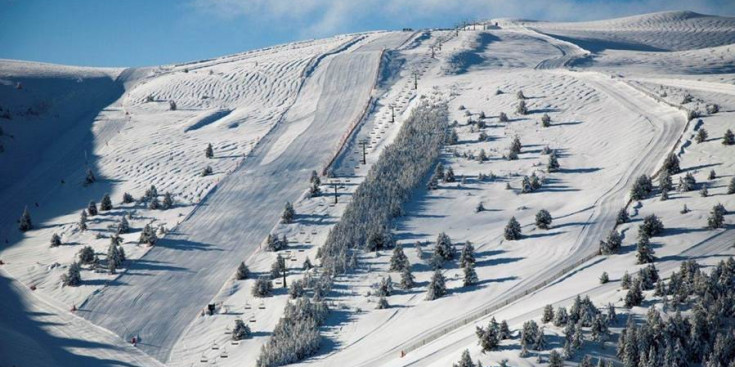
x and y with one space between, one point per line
671 164
728 138
687 183
168 201
55 240
73 277
407 280
154 204
399 260
502 117
106 203
641 188
612 244
25 223
716 217
479 208
522 109
560 317
622 216
543 219
634 297
83 221
548 314
113 257
444 247
86 255
512 230
307 264
127 198
487 338
314 178
314 189
209 151
241 331
382 304
625 281
449 175
89 178
644 252
545 120
539 342
702 136
555 359
242 272
288 213
604 278
92 208
467 256
148 235
652 225
206 171
553 164
704 192
470 275
452 137
712 175
296 289
123 226
482 156
504 330
437 286
278 267
664 194
263 287
465 360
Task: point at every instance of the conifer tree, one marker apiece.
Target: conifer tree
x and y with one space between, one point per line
241 331
548 315
612 244
543 219
545 120
604 278
307 264
642 188
512 230
209 151
522 109
399 260
83 221
504 330
728 138
206 171
687 183
148 236
634 297
704 192
242 272
671 164
55 240
106 203
470 275
154 204
465 360
652 225
701 135
407 280
449 175
263 287
127 198
553 164
539 343
644 252
716 217
123 226
502 117
382 303
89 178
487 338
731 186
24 223
92 209
444 247
437 286
73 277
467 256
555 359
452 138
314 189
625 281
288 213
622 216
86 255
168 201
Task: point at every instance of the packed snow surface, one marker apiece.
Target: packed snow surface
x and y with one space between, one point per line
619 94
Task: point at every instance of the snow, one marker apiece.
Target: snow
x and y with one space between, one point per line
613 89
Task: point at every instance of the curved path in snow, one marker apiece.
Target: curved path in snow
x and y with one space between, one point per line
164 291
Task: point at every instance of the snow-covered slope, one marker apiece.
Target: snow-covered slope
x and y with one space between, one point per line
276 114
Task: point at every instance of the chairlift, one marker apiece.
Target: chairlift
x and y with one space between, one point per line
313 231
234 342
215 346
224 353
227 330
307 240
247 305
294 258
252 318
203 359
262 305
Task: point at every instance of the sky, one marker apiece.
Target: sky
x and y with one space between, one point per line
117 33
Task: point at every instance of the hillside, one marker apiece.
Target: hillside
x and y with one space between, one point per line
607 100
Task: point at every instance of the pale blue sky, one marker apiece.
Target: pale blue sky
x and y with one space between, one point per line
152 32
